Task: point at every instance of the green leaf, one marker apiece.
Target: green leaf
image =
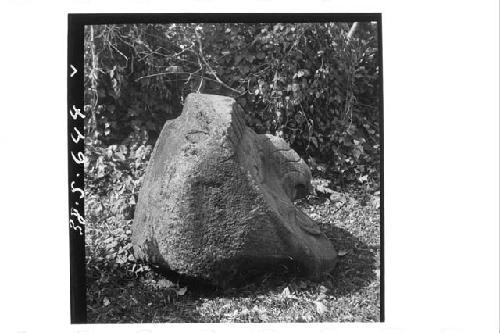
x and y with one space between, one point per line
250 58
182 291
244 69
314 141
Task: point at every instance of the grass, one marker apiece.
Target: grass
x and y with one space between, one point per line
121 290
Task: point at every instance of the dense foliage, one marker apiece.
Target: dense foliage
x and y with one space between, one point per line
309 83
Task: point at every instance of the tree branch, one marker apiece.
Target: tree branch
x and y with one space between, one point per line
211 71
352 30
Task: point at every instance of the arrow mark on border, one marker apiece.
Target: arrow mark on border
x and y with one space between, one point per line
74 71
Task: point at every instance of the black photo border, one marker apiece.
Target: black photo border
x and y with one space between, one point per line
75 121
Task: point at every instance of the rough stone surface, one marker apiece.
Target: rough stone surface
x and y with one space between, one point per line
216 199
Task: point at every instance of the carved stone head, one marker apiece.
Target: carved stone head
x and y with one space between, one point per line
217 199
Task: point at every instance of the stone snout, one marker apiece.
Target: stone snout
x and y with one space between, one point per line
282 177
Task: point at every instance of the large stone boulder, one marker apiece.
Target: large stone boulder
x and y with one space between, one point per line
216 199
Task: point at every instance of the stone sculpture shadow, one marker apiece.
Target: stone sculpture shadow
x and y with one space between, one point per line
355 270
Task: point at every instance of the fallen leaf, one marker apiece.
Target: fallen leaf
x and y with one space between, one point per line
363 178
323 289
337 197
341 253
287 294
300 319
320 307
164 283
106 301
263 317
